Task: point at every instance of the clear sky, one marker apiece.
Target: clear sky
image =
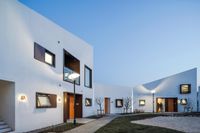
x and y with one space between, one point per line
134 41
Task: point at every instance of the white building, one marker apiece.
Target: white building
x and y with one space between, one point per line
36 55
170 94
113 98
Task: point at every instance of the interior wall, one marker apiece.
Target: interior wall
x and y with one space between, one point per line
7 103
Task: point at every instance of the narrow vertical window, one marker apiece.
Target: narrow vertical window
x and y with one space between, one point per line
88 77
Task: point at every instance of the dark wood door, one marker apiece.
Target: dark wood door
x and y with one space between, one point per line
107 105
171 105
68 104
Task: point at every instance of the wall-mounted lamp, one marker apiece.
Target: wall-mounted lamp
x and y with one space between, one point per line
22 98
59 100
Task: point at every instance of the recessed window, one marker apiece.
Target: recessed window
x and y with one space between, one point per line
183 101
44 55
44 100
71 65
141 102
88 102
88 77
185 88
119 103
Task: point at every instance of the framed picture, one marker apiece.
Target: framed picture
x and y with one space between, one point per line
141 102
185 88
183 101
88 102
119 103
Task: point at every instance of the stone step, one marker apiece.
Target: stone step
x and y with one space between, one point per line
3 126
2 123
5 130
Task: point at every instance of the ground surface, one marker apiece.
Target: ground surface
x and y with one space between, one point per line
123 125
185 124
93 126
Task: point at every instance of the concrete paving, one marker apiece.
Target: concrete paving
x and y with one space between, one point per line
184 124
93 126
81 120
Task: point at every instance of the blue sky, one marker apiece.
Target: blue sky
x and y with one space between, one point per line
135 41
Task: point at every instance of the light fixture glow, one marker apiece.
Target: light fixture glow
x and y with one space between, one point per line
59 100
73 76
22 98
153 91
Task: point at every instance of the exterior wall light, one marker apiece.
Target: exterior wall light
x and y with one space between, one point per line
59 100
22 98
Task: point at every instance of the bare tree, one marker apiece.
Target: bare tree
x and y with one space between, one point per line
99 101
127 104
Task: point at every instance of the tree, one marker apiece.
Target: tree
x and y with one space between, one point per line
127 104
99 101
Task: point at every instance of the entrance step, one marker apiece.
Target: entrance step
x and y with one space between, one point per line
5 130
2 123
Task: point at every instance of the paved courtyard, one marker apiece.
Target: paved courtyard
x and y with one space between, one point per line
93 126
185 124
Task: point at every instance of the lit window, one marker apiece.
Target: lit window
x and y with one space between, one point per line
48 58
88 102
185 88
44 55
141 102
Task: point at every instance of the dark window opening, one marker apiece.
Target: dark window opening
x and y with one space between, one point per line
88 102
44 55
71 64
88 77
44 100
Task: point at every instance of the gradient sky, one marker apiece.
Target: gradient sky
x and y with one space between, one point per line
135 41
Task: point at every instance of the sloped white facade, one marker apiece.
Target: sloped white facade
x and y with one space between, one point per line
166 88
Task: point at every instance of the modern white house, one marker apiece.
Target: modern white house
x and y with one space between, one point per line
176 93
36 58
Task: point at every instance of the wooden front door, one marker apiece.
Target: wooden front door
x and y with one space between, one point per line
171 105
69 106
107 105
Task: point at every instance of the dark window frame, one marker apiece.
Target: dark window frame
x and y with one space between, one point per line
90 99
143 101
66 52
189 89
121 100
90 80
39 54
181 101
41 107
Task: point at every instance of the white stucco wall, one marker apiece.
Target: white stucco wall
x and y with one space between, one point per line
167 87
113 92
20 28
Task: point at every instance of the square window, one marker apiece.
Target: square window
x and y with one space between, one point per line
185 88
141 102
119 103
88 102
183 102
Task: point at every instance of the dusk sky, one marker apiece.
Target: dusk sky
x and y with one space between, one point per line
135 41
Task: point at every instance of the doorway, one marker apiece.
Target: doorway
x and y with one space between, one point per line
69 106
107 105
166 105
